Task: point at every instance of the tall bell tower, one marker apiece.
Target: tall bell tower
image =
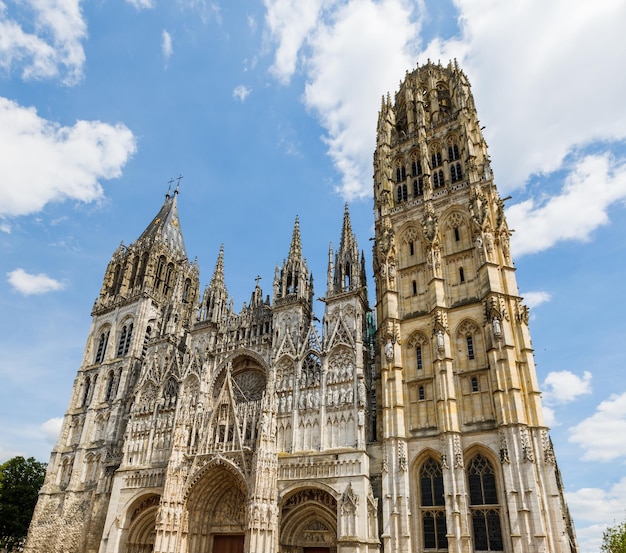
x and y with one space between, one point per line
467 462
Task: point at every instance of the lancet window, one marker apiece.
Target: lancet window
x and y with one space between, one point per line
418 186
125 337
102 346
402 193
432 506
484 505
455 172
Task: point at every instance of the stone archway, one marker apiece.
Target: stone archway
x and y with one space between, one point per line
309 523
216 508
142 529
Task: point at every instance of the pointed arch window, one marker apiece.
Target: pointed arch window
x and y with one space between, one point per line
411 248
416 168
133 273
402 193
102 346
418 186
435 159
160 273
470 347
418 357
146 339
438 181
125 337
455 172
432 506
117 279
186 290
453 152
109 386
141 272
168 283
484 505
86 392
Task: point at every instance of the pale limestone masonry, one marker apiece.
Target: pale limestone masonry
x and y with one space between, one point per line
195 429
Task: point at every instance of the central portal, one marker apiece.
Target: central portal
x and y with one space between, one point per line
228 543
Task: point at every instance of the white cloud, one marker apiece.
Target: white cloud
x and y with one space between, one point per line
536 298
44 162
241 92
289 23
355 57
5 227
527 74
51 429
29 284
565 386
595 183
166 45
535 78
603 434
54 47
549 416
595 507
141 4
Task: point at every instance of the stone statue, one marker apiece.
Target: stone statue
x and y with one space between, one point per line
389 350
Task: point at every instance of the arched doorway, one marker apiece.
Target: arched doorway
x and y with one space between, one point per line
216 508
309 522
142 529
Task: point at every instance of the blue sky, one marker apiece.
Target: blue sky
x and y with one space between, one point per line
268 110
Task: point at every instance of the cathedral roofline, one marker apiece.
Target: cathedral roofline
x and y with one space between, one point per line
165 226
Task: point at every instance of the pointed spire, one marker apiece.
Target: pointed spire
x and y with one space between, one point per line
217 280
165 227
347 270
346 232
215 299
295 250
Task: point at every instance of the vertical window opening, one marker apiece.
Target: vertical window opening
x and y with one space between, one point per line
418 356
122 341
457 236
414 288
474 384
421 392
461 275
470 347
102 346
484 506
432 506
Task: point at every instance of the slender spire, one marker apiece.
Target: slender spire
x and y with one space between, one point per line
348 267
215 299
217 280
347 237
295 250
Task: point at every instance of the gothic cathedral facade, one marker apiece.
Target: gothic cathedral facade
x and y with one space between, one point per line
416 427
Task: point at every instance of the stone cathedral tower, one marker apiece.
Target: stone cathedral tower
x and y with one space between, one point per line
192 428
467 461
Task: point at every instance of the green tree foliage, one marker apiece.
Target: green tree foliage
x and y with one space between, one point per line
614 539
20 480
